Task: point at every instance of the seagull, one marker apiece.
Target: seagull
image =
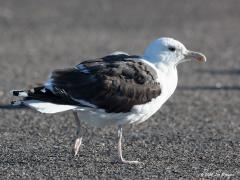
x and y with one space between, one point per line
114 90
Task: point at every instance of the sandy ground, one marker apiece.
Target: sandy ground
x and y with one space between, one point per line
195 134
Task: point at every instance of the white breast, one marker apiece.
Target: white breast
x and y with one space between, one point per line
168 83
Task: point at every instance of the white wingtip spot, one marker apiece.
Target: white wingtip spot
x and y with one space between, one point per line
23 94
43 90
18 93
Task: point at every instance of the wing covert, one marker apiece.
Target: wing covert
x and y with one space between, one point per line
114 83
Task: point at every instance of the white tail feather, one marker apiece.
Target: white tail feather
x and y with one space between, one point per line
46 107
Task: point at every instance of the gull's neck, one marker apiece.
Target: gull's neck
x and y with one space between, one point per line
162 65
166 68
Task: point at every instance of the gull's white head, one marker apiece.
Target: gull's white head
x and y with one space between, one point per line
170 52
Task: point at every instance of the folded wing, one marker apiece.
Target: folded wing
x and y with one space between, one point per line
114 83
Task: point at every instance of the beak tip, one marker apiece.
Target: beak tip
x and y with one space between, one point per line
197 56
202 58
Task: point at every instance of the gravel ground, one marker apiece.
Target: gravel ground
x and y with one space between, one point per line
194 135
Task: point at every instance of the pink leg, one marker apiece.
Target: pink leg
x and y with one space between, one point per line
78 140
122 160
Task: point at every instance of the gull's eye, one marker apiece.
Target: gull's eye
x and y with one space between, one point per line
171 48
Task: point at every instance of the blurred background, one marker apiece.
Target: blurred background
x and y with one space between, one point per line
195 133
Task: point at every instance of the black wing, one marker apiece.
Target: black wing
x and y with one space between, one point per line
114 83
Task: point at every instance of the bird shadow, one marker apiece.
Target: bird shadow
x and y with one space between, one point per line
11 107
210 88
223 72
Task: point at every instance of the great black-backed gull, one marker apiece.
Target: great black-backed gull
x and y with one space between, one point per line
115 90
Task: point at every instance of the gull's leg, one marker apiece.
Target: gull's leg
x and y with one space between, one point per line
122 160
78 140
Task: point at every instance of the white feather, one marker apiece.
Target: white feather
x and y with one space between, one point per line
46 107
118 53
23 94
43 90
84 103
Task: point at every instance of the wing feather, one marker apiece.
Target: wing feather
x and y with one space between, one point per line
115 83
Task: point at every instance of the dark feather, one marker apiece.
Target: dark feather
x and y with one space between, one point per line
115 83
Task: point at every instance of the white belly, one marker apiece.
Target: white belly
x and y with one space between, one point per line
138 113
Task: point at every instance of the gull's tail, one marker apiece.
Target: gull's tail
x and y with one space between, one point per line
21 93
42 100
